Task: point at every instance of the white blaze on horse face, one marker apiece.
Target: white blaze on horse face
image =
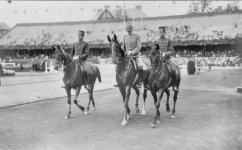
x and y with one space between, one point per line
76 57
113 45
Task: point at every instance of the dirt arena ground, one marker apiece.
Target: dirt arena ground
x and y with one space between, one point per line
209 114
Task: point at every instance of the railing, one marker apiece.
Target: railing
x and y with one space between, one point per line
8 64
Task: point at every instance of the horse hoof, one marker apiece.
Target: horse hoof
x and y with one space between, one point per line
67 117
152 125
137 110
85 113
124 123
168 110
158 121
93 108
173 116
143 112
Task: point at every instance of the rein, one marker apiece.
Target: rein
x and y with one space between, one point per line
65 55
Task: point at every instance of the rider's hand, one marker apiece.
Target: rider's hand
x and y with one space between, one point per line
129 53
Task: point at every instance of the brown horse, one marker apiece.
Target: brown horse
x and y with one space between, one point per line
73 78
159 80
126 76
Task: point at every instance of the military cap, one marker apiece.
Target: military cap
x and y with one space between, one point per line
129 25
81 33
163 28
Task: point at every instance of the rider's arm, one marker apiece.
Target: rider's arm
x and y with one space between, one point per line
170 48
73 51
139 45
123 44
85 51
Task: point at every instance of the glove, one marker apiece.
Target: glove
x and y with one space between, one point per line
129 53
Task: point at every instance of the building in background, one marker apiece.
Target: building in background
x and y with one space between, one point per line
3 29
203 33
119 13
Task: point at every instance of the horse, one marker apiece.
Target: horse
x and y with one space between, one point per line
73 78
159 80
126 76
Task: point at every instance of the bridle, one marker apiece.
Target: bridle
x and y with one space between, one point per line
119 60
63 54
157 65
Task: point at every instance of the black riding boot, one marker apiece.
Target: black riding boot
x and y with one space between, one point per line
145 79
174 82
86 85
140 78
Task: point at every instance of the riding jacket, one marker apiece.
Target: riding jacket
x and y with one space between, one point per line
166 47
132 43
81 49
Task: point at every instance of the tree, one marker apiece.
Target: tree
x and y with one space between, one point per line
201 6
194 7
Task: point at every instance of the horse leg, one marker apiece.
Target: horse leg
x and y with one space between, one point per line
91 96
167 91
68 91
154 122
137 98
174 105
93 102
126 105
157 105
77 91
143 112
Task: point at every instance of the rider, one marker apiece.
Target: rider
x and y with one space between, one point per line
132 45
166 48
81 51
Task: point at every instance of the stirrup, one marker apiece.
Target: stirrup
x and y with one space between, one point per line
147 87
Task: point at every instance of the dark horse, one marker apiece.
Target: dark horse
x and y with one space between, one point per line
126 76
73 78
160 80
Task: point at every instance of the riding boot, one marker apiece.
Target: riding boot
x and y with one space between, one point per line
86 85
174 82
145 80
140 78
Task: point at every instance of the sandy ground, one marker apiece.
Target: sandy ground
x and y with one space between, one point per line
28 87
208 116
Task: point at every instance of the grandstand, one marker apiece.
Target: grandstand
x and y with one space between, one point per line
184 30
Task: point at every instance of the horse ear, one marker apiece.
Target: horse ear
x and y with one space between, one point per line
157 47
109 39
60 48
53 47
72 51
115 37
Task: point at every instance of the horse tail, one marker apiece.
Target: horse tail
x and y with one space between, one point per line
99 75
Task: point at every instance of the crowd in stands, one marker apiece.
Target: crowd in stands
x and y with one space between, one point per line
206 61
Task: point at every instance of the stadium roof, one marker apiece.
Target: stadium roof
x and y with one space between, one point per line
130 13
37 34
3 26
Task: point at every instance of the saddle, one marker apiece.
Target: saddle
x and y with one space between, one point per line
171 66
134 62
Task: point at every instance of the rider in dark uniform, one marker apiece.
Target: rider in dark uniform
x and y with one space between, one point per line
81 52
166 48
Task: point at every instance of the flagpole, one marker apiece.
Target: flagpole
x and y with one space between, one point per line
124 11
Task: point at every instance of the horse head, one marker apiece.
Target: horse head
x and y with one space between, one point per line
155 55
61 56
115 46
